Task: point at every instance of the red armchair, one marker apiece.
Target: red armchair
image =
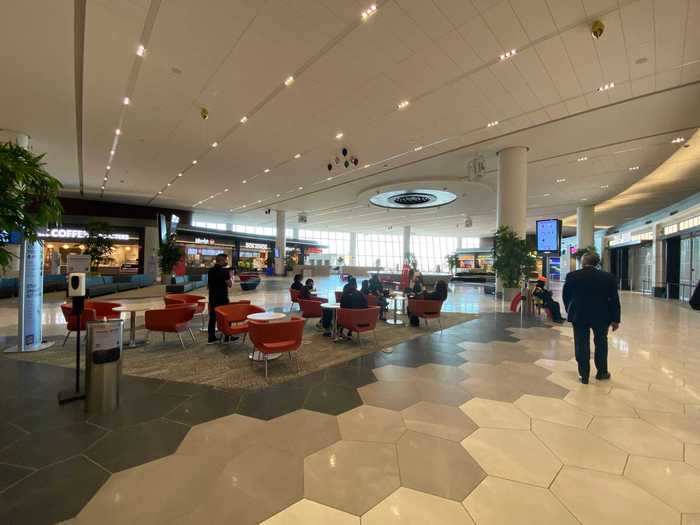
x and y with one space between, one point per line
104 309
277 338
372 300
294 297
425 309
359 320
338 296
186 298
176 319
88 315
231 319
311 307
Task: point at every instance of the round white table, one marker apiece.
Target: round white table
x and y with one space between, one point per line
257 355
396 298
133 308
333 307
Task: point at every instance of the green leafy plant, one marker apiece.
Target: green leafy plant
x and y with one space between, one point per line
29 196
98 244
340 261
170 254
452 261
512 258
290 260
411 260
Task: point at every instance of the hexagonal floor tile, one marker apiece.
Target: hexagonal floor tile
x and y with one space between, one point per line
599 404
440 373
395 373
440 393
647 401
306 511
351 476
489 389
497 501
673 482
618 501
410 507
225 437
495 414
685 428
513 454
437 466
553 410
569 380
438 420
393 395
368 423
167 487
332 399
577 447
301 432
638 437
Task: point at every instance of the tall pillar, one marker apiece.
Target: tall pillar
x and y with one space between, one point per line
280 242
511 198
353 250
658 250
406 241
584 226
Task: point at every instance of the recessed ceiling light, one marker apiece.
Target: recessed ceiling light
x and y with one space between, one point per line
231 209
403 104
103 187
244 181
301 187
112 152
678 140
607 86
561 180
584 198
547 195
634 168
170 184
160 193
211 196
105 179
259 201
507 54
225 190
329 178
297 156
126 101
117 131
214 144
605 186
179 174
244 119
243 206
492 124
194 162
339 135
581 159
109 167
278 194
140 51
267 170
418 148
366 166
369 11
289 80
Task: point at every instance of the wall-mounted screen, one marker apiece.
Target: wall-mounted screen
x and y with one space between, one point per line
549 235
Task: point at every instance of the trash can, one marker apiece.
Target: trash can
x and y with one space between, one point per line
103 366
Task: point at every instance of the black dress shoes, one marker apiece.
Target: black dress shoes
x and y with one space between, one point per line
602 375
583 380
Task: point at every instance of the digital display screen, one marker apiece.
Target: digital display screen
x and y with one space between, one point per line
548 235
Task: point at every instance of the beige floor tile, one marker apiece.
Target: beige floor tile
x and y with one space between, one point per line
224 437
553 410
393 395
650 375
599 404
692 410
351 476
306 512
437 466
368 423
500 501
579 448
673 482
681 394
488 389
440 373
513 454
250 489
638 437
438 420
685 428
441 393
556 365
598 498
692 455
496 414
647 400
395 373
569 380
301 432
158 491
411 507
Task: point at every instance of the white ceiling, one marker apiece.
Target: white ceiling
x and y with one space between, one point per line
232 56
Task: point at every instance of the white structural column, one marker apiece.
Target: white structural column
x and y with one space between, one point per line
659 258
585 217
406 241
511 198
353 250
280 242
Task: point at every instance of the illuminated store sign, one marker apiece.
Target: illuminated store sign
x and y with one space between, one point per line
202 240
65 233
254 246
628 238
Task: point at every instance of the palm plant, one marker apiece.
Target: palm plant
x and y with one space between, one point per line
98 244
511 257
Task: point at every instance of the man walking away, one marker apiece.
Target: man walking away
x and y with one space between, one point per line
219 281
592 303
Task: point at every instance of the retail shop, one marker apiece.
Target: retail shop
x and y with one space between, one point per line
682 249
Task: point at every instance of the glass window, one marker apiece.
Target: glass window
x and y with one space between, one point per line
387 249
430 252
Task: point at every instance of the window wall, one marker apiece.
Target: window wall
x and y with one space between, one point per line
430 252
471 242
338 243
387 248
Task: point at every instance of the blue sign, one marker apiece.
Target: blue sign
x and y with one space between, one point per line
548 235
31 295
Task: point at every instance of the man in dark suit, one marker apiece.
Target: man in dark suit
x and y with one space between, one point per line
592 303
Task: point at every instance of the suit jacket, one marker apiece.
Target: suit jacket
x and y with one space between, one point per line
353 299
590 297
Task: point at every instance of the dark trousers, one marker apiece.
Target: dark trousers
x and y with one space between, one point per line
554 309
582 344
217 301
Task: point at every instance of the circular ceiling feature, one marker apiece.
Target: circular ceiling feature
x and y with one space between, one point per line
420 198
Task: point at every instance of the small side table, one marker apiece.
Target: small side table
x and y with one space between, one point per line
333 307
257 355
396 298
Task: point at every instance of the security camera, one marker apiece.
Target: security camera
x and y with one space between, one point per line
597 29
330 166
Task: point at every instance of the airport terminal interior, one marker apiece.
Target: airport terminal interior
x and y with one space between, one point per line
298 262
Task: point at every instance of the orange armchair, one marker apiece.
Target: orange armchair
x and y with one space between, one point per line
311 307
104 309
88 315
372 300
175 319
231 319
277 338
425 309
186 298
294 296
359 320
338 296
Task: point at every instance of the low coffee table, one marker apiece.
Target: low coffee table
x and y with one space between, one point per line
257 355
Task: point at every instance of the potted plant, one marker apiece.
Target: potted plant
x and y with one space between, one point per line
511 260
411 260
98 244
452 262
170 254
29 196
340 261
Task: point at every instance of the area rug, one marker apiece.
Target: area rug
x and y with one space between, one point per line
227 366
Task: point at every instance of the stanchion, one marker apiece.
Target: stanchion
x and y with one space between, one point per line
76 289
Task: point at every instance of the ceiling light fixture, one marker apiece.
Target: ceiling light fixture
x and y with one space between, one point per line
140 51
278 194
297 156
607 86
492 124
403 104
126 101
366 166
547 195
605 186
507 55
301 187
170 184
194 162
584 198
117 131
105 179
160 193
103 187
244 119
678 140
244 181
329 178
259 201
243 206
267 170
634 168
582 159
225 190
289 81
112 152
369 11
418 148
339 135
179 174
109 167
561 180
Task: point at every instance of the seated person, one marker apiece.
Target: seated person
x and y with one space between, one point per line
350 278
548 302
351 298
307 289
297 284
364 289
416 285
438 294
376 288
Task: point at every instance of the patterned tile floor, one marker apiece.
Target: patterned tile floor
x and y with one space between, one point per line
484 423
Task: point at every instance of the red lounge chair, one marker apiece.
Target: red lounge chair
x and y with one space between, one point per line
425 309
277 338
88 315
294 296
104 309
338 296
232 319
176 319
372 300
186 298
359 320
311 307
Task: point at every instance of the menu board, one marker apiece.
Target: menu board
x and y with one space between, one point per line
548 235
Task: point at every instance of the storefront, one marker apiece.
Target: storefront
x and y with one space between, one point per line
682 249
631 260
126 255
256 256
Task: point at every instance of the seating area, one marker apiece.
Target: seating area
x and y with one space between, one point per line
186 283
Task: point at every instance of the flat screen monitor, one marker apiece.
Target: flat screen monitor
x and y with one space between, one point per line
162 229
548 235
